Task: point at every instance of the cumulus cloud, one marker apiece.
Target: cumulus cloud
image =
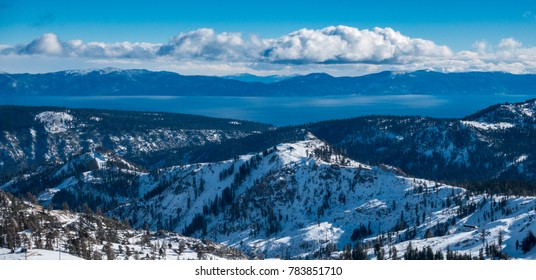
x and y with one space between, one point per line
334 44
47 44
334 49
343 44
206 44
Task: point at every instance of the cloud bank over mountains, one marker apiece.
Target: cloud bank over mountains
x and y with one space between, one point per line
331 49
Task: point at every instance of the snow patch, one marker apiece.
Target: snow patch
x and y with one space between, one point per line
55 122
521 158
488 126
36 254
49 193
527 112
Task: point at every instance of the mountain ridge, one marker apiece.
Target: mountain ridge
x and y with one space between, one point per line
305 200
135 82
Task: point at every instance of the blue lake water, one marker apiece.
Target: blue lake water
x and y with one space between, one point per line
282 110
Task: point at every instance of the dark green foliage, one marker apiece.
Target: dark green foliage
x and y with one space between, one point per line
162 186
503 186
528 242
227 172
226 149
426 253
356 252
360 232
198 223
108 250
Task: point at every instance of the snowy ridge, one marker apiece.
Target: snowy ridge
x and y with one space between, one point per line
36 137
488 126
518 113
90 168
300 201
98 160
101 71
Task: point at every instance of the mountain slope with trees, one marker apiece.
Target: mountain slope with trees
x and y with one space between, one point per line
27 231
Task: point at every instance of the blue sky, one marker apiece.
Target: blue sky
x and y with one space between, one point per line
455 24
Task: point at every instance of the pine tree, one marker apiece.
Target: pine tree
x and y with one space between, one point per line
358 253
109 251
528 242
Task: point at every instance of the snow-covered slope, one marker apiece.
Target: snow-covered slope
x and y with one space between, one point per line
304 200
518 113
478 148
297 199
35 254
29 232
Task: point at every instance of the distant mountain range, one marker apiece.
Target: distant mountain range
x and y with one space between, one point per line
117 82
250 78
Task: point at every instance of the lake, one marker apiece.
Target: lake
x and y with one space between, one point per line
282 110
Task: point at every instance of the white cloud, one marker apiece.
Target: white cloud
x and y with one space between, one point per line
334 44
113 50
509 44
343 44
47 44
339 50
206 44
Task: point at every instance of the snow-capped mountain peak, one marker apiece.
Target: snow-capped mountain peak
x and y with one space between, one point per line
313 150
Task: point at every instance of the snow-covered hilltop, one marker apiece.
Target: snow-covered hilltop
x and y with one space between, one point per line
55 122
306 200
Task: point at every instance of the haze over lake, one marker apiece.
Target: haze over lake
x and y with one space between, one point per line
282 111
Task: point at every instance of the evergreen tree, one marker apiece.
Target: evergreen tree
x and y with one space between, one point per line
358 252
109 251
528 242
